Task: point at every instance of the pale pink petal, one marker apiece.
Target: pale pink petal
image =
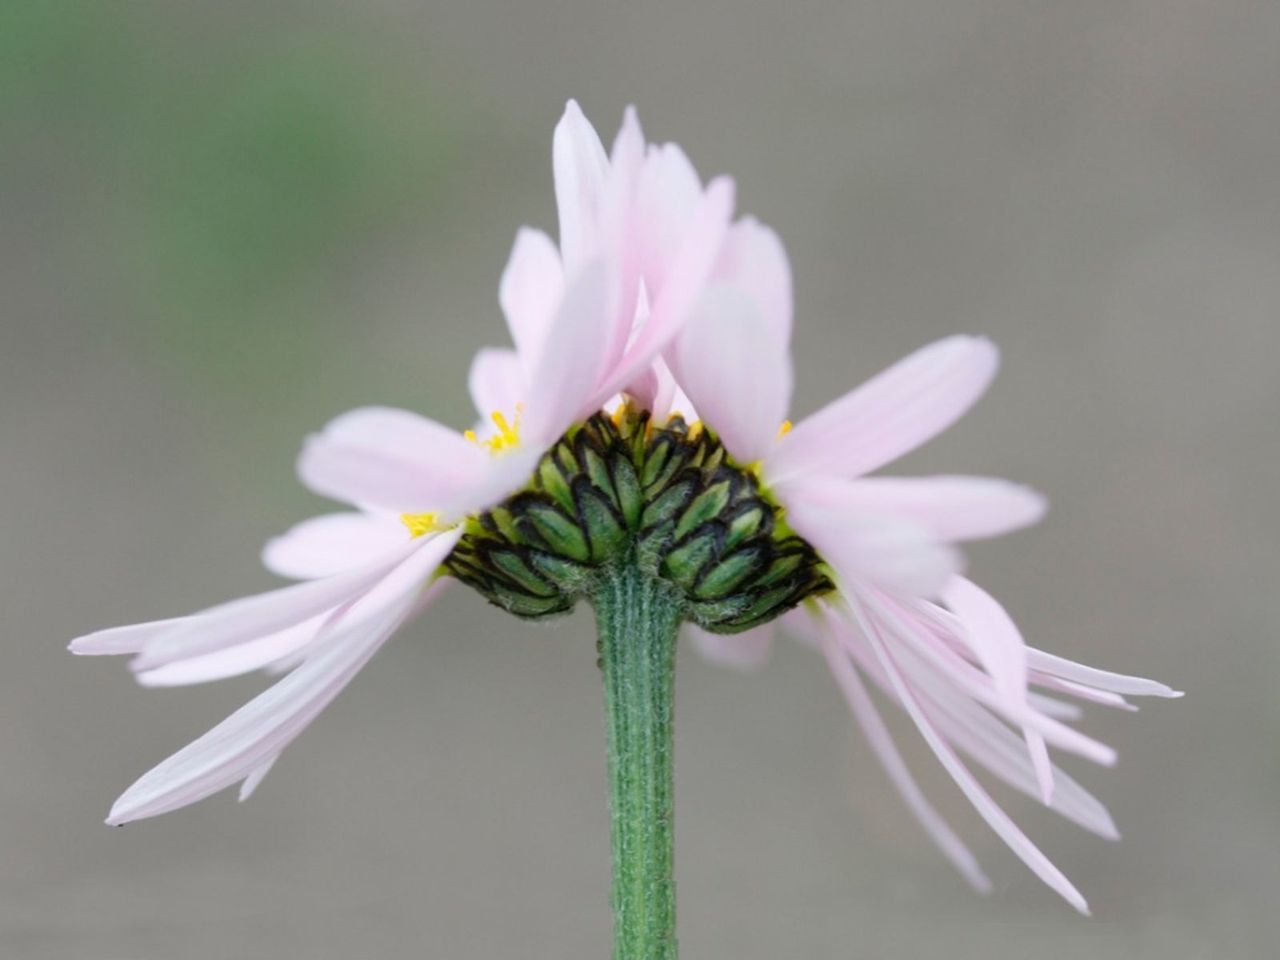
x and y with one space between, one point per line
128 639
620 226
1092 677
256 733
333 543
249 618
242 658
253 780
580 167
692 266
747 650
952 508
891 414
978 733
754 259
865 547
987 808
881 743
497 382
530 291
1104 697
917 636
561 390
390 460
736 367
668 193
1053 707
999 647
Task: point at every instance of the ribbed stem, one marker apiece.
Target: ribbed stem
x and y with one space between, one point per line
637 618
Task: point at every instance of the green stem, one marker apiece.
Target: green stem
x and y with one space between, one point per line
637 618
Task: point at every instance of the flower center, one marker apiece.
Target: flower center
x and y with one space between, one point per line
618 490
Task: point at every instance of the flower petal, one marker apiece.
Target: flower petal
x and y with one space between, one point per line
332 543
998 645
1092 677
952 508
561 389
754 259
735 366
747 650
693 263
239 659
255 734
391 460
249 618
580 166
530 290
881 743
128 639
891 414
668 193
497 382
896 554
987 808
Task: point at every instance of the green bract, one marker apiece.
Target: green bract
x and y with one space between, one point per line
620 490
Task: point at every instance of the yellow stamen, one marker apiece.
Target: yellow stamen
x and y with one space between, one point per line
508 434
784 429
420 524
695 430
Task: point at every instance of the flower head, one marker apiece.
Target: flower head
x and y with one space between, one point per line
640 421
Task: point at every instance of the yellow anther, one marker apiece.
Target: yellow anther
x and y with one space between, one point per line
784 429
420 524
695 430
508 434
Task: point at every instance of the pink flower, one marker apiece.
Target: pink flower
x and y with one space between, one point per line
932 641
585 325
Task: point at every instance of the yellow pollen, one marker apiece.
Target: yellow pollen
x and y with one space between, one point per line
784 429
695 430
508 434
420 524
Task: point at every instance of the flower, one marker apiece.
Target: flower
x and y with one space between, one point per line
932 641
638 236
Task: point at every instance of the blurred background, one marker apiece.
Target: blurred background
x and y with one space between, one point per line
221 224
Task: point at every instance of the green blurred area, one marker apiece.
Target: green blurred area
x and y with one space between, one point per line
230 173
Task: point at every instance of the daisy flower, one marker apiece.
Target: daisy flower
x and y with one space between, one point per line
633 451
587 318
901 615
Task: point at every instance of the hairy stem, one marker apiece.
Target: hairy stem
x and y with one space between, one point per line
637 618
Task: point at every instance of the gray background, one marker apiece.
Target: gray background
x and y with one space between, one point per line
222 224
